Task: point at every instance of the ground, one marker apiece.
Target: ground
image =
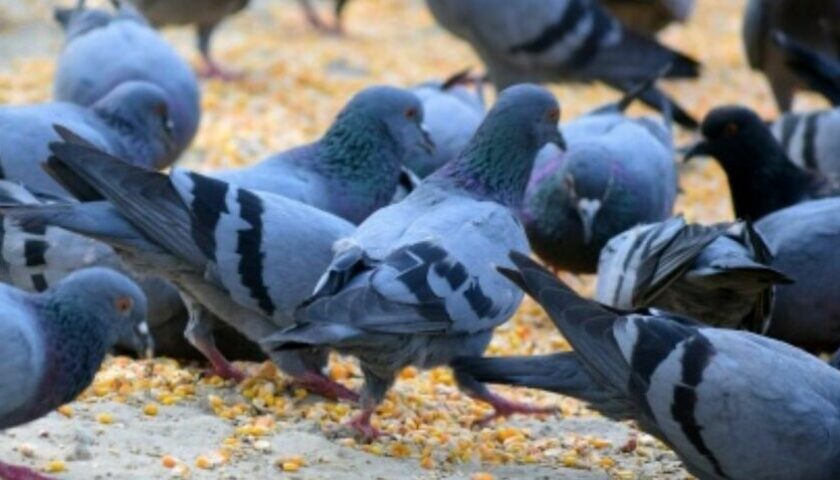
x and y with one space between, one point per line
155 419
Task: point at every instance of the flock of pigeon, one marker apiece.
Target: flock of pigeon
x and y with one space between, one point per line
416 211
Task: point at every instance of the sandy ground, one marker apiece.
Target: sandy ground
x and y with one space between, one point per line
296 80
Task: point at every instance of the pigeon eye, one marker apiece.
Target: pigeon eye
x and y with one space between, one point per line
411 113
730 130
554 115
123 304
161 110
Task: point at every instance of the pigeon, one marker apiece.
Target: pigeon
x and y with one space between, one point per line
206 15
415 284
132 121
355 168
104 50
811 140
54 342
618 172
561 40
312 17
816 69
451 114
722 275
232 252
762 179
731 404
809 22
650 16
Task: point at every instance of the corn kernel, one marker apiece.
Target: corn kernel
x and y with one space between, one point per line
55 466
290 467
105 418
204 463
482 476
150 409
66 410
168 461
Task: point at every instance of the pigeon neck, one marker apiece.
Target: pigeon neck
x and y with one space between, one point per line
493 166
76 342
133 145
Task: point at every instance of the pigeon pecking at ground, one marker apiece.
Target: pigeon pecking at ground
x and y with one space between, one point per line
355 168
812 23
205 15
415 284
712 395
231 252
54 342
131 121
762 179
617 172
719 274
452 113
650 16
561 40
104 50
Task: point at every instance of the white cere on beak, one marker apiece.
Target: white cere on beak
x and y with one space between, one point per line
143 328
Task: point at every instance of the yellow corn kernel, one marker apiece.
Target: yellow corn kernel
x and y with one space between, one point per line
427 462
204 463
400 450
570 460
66 410
105 418
290 467
607 463
55 466
168 461
482 476
150 409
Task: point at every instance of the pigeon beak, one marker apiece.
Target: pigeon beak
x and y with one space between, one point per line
587 210
699 149
559 140
427 144
144 343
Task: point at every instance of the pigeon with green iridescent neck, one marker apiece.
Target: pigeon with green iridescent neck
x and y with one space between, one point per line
355 168
415 284
105 49
54 342
132 121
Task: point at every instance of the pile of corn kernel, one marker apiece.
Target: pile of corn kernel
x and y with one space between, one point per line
295 82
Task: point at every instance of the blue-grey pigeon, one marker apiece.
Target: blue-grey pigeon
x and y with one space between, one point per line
561 40
762 179
131 121
732 405
104 50
355 168
415 284
812 23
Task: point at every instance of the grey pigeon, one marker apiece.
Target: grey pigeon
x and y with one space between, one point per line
54 342
104 50
762 179
205 15
232 252
732 405
774 279
415 284
650 16
719 274
810 22
618 172
355 168
811 140
452 113
561 40
131 121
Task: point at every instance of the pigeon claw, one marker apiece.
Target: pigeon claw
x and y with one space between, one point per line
504 408
14 472
213 70
361 423
326 387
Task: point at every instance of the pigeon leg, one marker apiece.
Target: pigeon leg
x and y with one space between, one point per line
376 386
199 333
502 407
211 68
305 367
323 385
361 423
13 472
312 15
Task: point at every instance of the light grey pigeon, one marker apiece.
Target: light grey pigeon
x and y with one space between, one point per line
650 16
355 168
205 15
813 23
762 179
104 50
54 342
131 121
618 172
720 274
732 405
561 40
452 113
232 252
811 140
415 284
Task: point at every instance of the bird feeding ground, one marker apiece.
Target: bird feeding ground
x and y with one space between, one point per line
157 419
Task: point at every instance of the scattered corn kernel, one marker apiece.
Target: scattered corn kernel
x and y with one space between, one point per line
105 418
482 476
204 463
66 410
150 409
168 461
55 466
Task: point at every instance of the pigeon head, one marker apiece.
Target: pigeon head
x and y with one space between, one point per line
588 182
139 113
498 160
79 20
102 301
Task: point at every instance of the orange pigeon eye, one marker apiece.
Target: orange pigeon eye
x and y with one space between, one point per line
554 115
123 304
731 129
411 113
